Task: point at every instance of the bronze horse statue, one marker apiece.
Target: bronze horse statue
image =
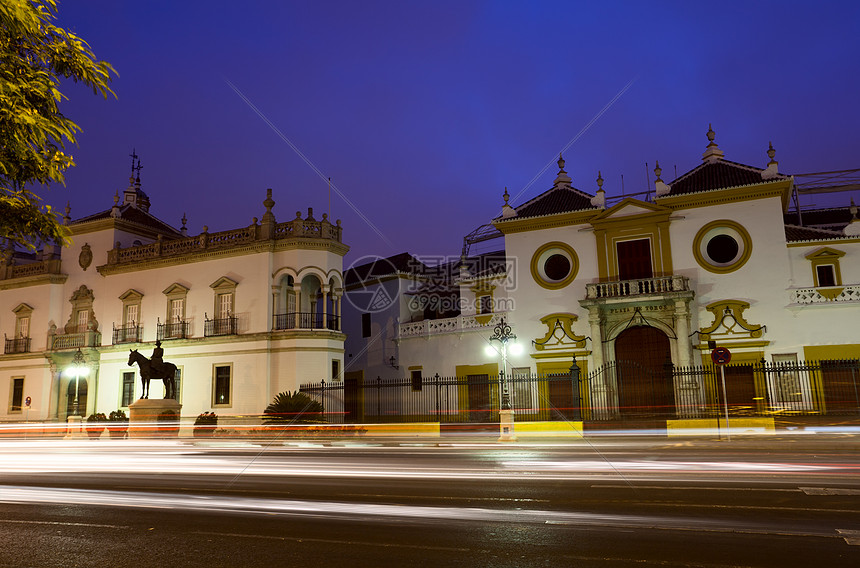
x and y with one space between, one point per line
167 373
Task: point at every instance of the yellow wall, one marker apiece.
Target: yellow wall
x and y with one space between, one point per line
823 352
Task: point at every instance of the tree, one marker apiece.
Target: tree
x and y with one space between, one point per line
293 408
34 56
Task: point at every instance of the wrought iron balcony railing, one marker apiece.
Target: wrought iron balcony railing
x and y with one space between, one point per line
17 345
173 330
132 333
221 326
305 320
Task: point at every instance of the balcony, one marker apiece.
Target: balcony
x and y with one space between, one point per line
457 324
132 333
174 330
86 338
824 295
305 320
17 345
636 288
221 326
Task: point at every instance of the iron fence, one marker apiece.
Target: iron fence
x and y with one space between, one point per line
221 326
17 345
173 330
126 334
618 390
306 320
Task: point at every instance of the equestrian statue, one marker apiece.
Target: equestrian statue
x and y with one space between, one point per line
154 368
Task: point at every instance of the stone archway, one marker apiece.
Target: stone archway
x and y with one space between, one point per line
642 355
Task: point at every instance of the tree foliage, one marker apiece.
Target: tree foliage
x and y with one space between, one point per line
294 407
35 55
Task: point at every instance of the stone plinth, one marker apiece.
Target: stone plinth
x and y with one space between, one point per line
154 418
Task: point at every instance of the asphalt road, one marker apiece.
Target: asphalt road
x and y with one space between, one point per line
766 502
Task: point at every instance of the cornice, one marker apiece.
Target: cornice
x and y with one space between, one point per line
116 224
777 188
551 221
293 243
37 280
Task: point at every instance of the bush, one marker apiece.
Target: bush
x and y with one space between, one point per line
293 408
205 424
96 418
206 419
118 416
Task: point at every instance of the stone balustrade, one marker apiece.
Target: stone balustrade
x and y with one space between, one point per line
457 324
637 287
827 295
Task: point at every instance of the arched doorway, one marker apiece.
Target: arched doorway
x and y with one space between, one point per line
642 355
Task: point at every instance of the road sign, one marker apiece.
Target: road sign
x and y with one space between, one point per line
27 401
721 356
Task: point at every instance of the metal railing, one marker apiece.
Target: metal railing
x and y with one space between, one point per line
17 345
132 333
221 326
618 390
305 320
173 330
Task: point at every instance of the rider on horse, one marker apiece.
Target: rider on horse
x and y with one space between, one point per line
156 361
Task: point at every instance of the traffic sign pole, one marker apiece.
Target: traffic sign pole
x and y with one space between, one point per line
721 356
725 402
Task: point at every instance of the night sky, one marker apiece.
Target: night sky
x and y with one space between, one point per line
422 112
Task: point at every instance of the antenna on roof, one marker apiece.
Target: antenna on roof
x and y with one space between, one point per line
622 184
329 197
647 177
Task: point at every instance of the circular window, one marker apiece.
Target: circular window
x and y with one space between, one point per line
554 265
722 246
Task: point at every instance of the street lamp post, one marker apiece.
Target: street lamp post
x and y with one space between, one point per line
503 334
77 369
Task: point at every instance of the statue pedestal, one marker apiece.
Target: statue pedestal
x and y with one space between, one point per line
506 426
154 418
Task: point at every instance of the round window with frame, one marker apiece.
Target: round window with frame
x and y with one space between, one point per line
554 265
722 246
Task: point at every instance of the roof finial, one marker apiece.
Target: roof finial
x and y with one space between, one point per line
852 229
133 156
116 197
562 178
657 170
138 168
66 213
507 210
712 152
184 220
599 199
772 169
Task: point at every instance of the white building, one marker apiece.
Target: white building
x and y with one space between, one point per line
635 292
244 314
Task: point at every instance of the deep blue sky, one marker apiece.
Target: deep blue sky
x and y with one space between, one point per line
422 112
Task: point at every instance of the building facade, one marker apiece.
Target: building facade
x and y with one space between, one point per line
635 292
244 314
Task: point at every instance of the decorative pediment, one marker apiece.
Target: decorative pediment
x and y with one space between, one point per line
224 283
131 296
631 207
560 334
825 254
176 289
729 322
23 310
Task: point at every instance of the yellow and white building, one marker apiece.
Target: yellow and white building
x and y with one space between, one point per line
715 255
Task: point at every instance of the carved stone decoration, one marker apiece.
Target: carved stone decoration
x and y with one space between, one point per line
82 299
86 256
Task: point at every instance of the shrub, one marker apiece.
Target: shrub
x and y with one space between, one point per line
205 424
96 418
293 408
118 416
206 419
